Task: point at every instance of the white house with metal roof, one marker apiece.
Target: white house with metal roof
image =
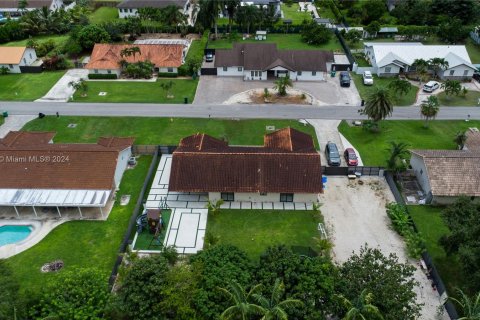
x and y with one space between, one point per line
390 59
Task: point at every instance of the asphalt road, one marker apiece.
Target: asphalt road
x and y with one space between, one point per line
223 111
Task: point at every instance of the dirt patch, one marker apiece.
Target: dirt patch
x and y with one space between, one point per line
257 96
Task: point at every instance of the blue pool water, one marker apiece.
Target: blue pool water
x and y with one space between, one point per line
13 234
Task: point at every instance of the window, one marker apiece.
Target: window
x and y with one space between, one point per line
263 193
30 55
227 196
314 73
260 74
286 197
421 171
225 68
10 66
252 73
169 69
465 72
24 60
388 69
109 71
452 72
240 68
299 73
96 70
130 10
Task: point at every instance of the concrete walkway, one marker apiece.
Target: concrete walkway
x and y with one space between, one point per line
14 123
310 8
61 91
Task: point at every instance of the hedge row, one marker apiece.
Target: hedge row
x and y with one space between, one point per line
167 75
102 76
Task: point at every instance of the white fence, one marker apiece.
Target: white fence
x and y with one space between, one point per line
361 70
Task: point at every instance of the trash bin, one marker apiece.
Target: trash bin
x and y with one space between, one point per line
185 100
363 102
41 115
5 114
333 73
194 76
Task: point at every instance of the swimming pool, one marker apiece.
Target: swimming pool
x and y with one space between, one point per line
12 234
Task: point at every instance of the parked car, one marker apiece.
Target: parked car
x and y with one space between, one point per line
344 79
431 86
476 76
209 57
331 152
367 78
132 161
350 157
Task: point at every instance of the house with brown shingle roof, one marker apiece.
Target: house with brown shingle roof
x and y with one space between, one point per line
14 58
444 175
106 58
262 61
286 168
35 172
11 7
129 8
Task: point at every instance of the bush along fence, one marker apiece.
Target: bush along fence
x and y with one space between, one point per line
403 223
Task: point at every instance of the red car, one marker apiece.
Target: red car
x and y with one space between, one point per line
351 157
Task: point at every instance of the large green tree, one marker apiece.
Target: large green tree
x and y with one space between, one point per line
379 104
91 34
429 109
316 34
452 87
437 64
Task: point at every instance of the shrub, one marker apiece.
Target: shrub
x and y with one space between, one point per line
141 69
45 47
4 70
102 76
167 75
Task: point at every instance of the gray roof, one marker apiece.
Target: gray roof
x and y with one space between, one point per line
265 56
31 3
134 4
388 29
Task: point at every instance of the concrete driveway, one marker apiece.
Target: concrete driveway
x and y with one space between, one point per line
61 91
216 90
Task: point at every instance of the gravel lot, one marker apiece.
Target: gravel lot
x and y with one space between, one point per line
355 214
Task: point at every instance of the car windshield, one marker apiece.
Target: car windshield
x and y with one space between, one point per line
367 76
427 86
334 153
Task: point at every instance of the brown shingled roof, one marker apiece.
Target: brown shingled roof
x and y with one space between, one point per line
13 4
107 56
288 162
473 140
135 4
25 138
452 172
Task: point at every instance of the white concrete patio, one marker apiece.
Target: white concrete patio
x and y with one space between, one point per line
186 230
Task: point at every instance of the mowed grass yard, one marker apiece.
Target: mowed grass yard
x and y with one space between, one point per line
141 92
431 226
373 146
59 40
27 86
164 131
400 100
292 12
103 14
288 41
82 243
255 230
471 99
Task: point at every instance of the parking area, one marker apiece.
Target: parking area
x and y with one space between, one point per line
355 215
326 92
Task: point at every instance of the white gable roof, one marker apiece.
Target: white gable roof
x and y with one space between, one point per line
385 53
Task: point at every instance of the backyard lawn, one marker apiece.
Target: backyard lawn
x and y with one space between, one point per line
164 131
431 226
292 12
103 14
27 86
372 146
403 100
473 50
59 40
82 243
144 239
141 92
470 100
255 230
286 41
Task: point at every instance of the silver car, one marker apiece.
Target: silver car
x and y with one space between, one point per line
431 86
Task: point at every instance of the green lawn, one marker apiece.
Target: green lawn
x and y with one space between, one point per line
2 120
59 40
197 48
471 99
82 243
144 239
284 41
324 11
403 100
473 50
293 14
255 230
103 14
164 131
432 227
372 146
141 92
27 86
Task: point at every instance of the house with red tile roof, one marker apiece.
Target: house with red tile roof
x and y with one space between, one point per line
286 168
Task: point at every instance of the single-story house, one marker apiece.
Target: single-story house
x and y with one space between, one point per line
261 61
14 58
327 23
11 7
444 175
390 59
286 168
39 173
106 58
129 8
275 4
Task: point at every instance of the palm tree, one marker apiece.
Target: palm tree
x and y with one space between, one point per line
79 85
281 85
214 207
460 139
167 86
452 87
398 152
273 308
361 308
173 17
421 67
400 86
241 308
379 104
231 6
437 64
470 307
429 109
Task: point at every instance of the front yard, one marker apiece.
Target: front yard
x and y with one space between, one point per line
141 92
82 243
288 41
255 230
163 131
292 12
27 86
103 14
472 99
373 146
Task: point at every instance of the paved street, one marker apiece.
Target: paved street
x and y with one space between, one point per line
224 111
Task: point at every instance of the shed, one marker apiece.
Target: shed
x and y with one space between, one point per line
261 35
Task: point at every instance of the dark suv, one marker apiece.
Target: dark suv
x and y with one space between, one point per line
344 79
331 152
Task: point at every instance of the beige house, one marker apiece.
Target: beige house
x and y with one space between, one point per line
16 59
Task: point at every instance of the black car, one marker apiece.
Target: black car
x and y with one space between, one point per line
209 57
344 79
476 76
331 152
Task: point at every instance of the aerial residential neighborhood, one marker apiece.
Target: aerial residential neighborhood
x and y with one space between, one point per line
263 159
